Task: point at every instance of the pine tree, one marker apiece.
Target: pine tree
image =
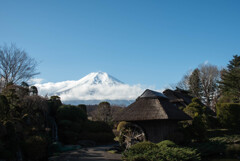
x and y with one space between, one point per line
195 83
230 79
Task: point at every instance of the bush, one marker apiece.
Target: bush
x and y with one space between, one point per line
35 148
228 115
69 137
65 124
197 127
74 126
99 137
72 113
97 126
163 151
142 147
208 149
166 143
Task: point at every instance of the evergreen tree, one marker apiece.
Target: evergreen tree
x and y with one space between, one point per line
230 79
195 83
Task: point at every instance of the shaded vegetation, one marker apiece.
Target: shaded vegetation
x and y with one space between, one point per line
163 151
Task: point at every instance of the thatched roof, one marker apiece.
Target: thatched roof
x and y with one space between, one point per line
178 97
151 105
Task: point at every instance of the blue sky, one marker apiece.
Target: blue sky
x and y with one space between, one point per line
150 42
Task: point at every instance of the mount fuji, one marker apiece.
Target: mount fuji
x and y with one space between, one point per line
92 89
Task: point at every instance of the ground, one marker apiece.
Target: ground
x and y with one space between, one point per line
98 153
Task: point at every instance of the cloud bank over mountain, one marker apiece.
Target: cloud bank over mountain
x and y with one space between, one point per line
91 89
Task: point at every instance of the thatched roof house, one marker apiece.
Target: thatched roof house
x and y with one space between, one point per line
152 105
178 97
154 112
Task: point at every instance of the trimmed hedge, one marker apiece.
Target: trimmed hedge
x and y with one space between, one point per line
72 113
228 115
74 126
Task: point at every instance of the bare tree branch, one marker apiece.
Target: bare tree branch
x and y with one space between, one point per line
15 65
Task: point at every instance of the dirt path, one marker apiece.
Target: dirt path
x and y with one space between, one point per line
98 153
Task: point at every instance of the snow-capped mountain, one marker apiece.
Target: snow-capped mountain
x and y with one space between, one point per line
92 89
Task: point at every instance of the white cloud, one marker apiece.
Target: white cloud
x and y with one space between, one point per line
91 92
35 81
206 62
95 86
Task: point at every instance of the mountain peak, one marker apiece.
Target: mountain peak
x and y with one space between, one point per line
95 78
91 89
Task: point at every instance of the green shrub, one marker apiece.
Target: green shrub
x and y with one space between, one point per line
208 149
142 147
35 148
137 151
97 126
228 115
197 127
227 139
65 124
166 143
72 113
165 151
54 103
74 126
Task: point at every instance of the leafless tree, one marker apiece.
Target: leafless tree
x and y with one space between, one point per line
15 65
184 82
209 77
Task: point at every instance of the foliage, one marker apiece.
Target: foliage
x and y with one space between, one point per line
227 139
68 136
121 125
195 85
25 116
218 143
97 131
196 127
230 79
166 143
4 107
210 148
141 147
35 148
166 151
97 126
104 113
70 120
9 142
54 103
83 107
228 115
203 83
72 113
74 126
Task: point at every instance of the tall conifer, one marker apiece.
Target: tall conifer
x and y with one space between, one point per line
230 79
